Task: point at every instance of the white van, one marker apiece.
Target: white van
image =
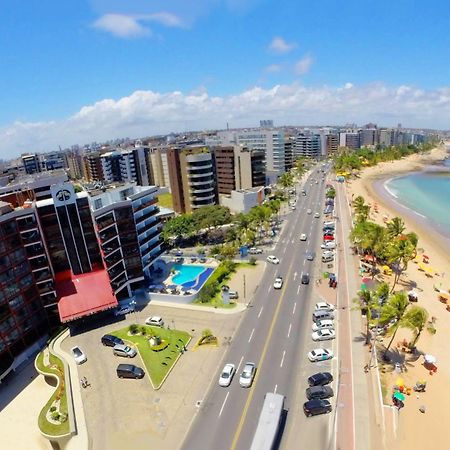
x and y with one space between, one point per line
327 252
329 225
327 258
322 315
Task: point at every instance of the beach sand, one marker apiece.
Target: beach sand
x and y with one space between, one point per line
413 428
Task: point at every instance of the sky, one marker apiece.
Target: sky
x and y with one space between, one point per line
78 71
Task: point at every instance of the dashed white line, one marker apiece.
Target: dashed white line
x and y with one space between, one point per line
295 275
251 335
240 362
223 404
289 331
282 358
260 312
293 309
275 389
298 289
268 289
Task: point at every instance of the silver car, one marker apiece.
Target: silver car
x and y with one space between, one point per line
247 375
124 350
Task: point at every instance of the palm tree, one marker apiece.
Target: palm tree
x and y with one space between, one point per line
367 303
395 227
394 310
416 319
400 252
358 202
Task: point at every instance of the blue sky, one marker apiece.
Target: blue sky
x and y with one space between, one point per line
75 71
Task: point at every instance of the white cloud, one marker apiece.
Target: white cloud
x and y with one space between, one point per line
280 46
128 26
121 26
303 65
144 113
273 68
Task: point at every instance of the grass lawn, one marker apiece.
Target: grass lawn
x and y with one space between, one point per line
45 426
165 200
157 364
217 301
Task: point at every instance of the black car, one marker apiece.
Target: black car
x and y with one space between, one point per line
320 379
129 371
305 278
319 392
110 341
316 407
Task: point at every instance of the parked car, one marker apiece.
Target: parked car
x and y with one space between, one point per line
320 379
324 306
320 354
305 278
155 321
124 350
328 258
324 334
247 375
233 295
328 245
278 283
319 392
227 375
316 407
273 259
322 315
78 355
303 237
110 341
255 251
323 324
328 237
129 371
125 309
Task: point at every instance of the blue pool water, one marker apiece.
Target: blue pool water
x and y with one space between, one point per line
186 273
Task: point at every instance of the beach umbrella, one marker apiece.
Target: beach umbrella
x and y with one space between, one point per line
399 396
430 359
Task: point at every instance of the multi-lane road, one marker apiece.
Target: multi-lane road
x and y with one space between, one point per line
276 335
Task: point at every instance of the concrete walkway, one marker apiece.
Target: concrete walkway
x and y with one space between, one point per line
80 440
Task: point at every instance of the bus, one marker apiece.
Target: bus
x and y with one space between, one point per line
269 422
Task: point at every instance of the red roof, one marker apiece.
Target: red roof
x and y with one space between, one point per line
83 295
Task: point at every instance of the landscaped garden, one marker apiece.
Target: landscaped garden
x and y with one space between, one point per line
53 418
158 347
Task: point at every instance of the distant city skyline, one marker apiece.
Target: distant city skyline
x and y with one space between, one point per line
96 70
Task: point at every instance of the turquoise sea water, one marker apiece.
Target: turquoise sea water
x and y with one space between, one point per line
427 194
186 273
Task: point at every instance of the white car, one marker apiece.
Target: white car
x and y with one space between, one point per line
308 211
328 245
273 259
324 306
303 237
293 207
227 375
155 321
247 375
323 324
255 251
320 354
122 310
323 335
316 215
78 355
278 283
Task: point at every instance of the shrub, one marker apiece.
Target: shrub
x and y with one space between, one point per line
252 261
133 328
206 332
53 408
55 415
143 330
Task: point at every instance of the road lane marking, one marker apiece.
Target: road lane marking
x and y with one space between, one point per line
251 335
223 404
275 389
293 309
260 312
268 289
298 290
282 358
289 331
268 340
295 275
240 362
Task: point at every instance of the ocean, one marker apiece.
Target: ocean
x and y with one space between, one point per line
426 193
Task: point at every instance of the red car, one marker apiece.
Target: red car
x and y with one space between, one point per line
327 237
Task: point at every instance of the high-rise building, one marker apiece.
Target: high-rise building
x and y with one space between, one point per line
387 138
31 163
266 123
75 164
224 159
92 167
332 143
368 137
192 178
289 154
307 144
159 167
349 140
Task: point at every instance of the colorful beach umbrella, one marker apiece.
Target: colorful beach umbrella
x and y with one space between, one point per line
399 395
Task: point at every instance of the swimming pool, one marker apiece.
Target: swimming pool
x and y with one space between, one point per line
186 273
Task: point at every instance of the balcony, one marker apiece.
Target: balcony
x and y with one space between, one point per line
206 173
39 262
108 234
202 190
150 248
101 225
46 288
34 250
113 259
149 237
151 202
196 199
42 275
151 213
27 224
28 237
130 251
116 271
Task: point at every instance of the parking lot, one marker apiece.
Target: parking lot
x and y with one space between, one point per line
122 413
